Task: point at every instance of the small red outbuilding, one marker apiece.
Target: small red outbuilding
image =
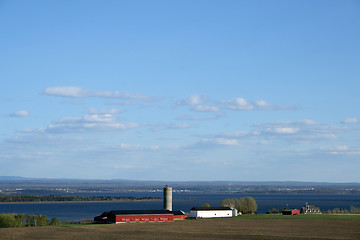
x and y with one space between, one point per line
290 212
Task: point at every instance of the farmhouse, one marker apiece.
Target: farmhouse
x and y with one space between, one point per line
212 212
290 212
127 216
309 209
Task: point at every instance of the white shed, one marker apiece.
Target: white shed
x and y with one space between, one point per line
212 212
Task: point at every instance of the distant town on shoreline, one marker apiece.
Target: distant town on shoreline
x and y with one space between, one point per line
13 185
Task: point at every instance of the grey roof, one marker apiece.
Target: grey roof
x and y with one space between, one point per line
178 213
211 208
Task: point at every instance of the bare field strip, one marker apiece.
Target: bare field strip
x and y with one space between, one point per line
229 228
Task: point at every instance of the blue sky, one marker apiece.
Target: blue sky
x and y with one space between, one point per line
180 90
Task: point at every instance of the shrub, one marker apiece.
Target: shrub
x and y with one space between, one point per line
8 220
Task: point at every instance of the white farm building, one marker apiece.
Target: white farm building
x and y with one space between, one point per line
212 212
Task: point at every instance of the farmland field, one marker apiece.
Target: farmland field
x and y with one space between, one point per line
226 228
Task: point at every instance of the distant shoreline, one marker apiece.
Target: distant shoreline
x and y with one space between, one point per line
95 201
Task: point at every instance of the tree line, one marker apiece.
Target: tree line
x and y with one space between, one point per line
23 220
352 210
62 198
244 205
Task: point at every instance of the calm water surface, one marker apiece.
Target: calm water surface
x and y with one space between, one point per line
181 201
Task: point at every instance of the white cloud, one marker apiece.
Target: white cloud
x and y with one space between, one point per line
198 103
192 100
132 147
263 104
210 143
350 120
282 130
203 108
335 148
308 122
304 130
238 104
340 150
243 104
96 122
21 113
78 92
105 111
158 127
229 142
36 155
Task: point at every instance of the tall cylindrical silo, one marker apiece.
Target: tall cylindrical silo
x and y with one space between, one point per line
167 198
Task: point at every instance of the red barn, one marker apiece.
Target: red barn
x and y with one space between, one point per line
127 216
290 212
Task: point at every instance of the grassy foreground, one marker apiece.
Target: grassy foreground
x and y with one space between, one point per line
246 227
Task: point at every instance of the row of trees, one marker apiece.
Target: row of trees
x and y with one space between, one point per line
61 198
274 211
352 210
23 220
245 205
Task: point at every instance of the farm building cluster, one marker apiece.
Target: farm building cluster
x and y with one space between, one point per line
164 215
168 215
308 209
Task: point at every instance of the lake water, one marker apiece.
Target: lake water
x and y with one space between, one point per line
181 201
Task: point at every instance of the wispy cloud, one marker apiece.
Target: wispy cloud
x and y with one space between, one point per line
242 104
122 103
210 143
38 139
93 122
340 150
112 111
192 100
205 108
163 126
79 92
351 120
21 113
305 131
210 116
335 148
70 91
199 103
127 146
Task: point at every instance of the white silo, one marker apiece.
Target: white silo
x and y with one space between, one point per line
167 198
